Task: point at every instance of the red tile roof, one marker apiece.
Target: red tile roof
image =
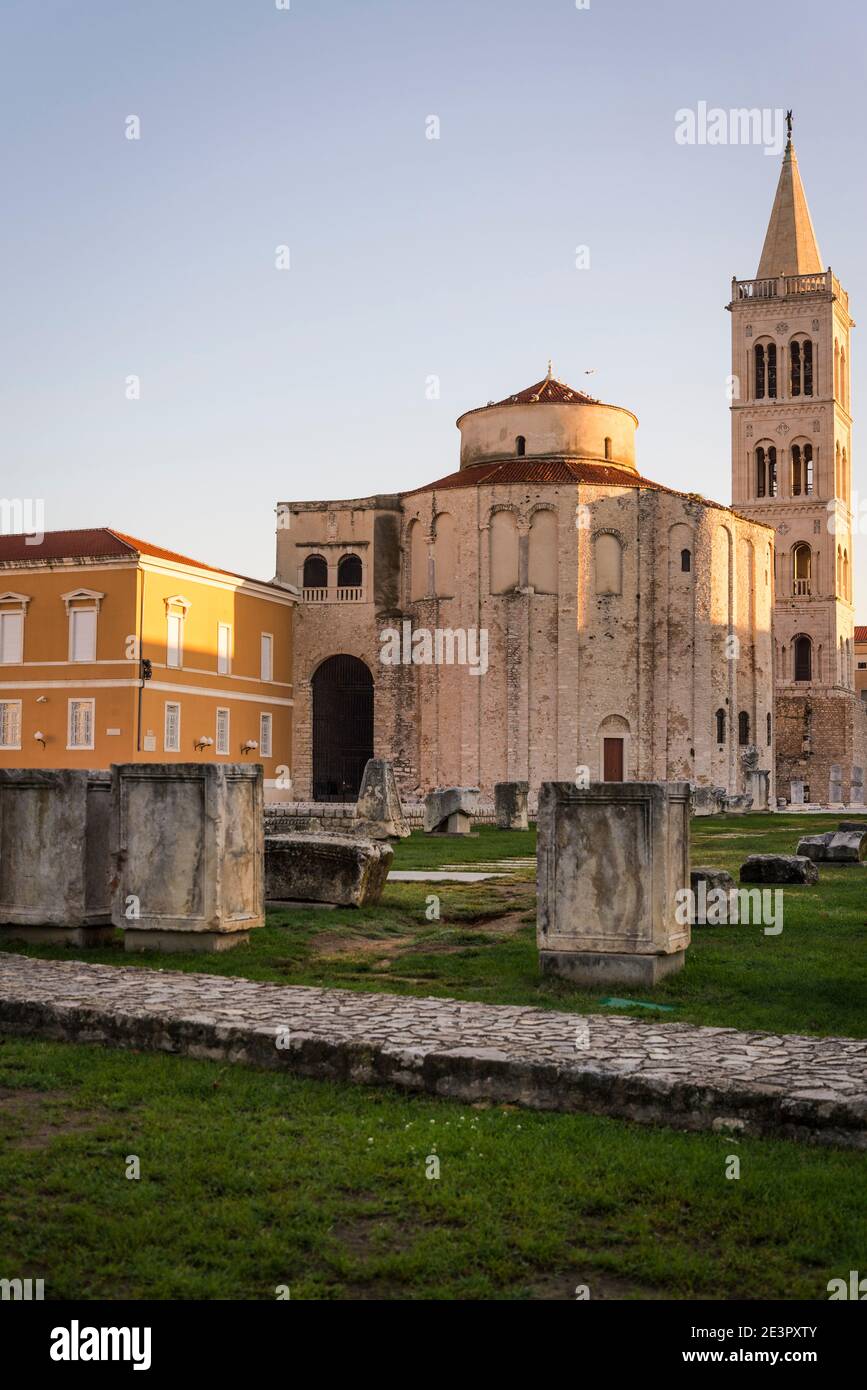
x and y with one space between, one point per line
861 634
549 389
560 470
99 543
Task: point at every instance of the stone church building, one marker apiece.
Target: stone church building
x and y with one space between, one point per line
545 612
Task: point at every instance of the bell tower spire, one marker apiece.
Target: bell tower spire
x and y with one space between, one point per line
790 245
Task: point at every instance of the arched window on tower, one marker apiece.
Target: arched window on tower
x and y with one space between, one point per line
766 470
802 470
769 730
836 369
801 366
765 367
802 570
803 658
720 726
520 446
686 561
844 384
607 447
761 379
743 728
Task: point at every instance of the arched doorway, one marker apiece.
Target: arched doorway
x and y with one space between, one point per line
342 727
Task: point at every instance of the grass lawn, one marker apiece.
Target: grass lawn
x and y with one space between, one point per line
812 978
251 1180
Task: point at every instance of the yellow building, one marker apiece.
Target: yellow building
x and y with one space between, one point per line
113 650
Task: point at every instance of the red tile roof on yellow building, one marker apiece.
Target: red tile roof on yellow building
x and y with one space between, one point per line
861 634
98 543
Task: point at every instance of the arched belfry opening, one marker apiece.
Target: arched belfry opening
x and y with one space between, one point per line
342 727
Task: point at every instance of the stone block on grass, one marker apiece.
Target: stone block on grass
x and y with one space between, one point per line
54 856
612 859
378 812
450 810
510 805
779 868
340 869
187 854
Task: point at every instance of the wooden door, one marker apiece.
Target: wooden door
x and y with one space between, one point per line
612 760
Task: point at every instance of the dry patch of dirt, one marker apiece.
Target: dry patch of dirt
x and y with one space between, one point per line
33 1118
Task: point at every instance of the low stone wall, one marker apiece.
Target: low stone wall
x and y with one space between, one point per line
288 817
674 1074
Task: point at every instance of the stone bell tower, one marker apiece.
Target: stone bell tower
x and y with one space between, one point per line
792 468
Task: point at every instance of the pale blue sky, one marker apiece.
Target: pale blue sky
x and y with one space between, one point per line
409 257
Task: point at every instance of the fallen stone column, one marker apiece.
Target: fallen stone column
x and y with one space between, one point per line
339 869
612 858
779 868
54 856
187 854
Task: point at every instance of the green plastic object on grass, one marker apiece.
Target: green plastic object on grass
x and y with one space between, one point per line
637 1004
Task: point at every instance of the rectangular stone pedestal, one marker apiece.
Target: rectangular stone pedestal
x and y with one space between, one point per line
612 858
591 968
54 856
188 854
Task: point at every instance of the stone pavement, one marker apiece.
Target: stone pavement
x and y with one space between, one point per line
676 1074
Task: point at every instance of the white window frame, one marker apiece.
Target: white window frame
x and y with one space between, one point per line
224 660
167 747
13 705
266 745
19 614
218 748
266 637
70 706
73 614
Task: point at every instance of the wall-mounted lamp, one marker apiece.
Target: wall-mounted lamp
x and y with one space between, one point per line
250 746
203 742
39 737
42 699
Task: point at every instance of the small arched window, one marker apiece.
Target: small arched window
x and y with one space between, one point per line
769 730
743 728
801 363
720 726
766 471
315 572
803 659
802 569
349 572
686 561
520 446
607 447
802 470
765 355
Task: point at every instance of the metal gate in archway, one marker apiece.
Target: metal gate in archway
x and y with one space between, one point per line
342 727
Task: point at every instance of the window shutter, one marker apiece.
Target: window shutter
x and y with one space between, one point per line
266 671
265 735
223 647
83 634
10 724
11 637
173 728
222 731
173 645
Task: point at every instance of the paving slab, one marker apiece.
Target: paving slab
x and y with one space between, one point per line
439 876
677 1074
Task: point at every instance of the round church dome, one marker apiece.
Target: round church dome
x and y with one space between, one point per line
549 420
